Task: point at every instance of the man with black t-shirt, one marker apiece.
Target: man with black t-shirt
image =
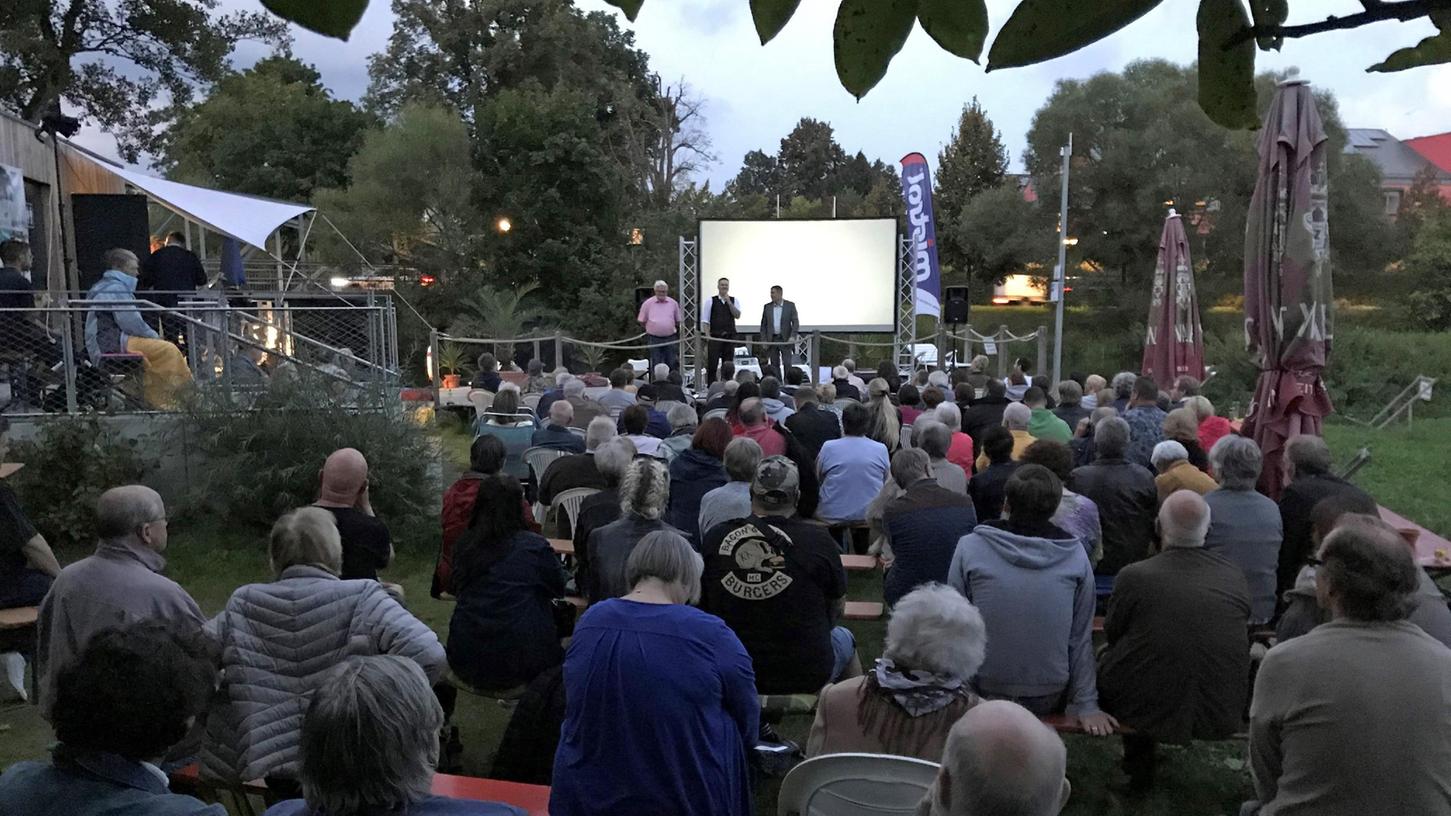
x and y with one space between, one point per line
719 314
779 584
27 565
367 547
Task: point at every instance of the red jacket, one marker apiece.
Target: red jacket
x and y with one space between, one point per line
458 510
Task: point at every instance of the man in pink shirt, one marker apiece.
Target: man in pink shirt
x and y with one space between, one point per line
660 316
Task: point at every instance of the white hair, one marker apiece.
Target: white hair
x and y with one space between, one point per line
662 283
1166 452
1184 520
561 377
1002 760
600 430
681 416
661 372
934 628
574 388
667 557
839 373
938 378
507 385
1017 416
1236 462
950 415
308 536
561 412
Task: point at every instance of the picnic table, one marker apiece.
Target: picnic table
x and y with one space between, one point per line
1432 551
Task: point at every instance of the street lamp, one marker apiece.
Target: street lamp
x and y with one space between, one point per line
504 224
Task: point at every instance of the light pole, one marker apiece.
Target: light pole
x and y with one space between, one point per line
1061 273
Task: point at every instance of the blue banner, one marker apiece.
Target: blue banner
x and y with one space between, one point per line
917 190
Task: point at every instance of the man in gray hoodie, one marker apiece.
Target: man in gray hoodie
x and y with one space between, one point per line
1033 584
776 407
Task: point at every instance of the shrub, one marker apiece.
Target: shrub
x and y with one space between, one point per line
262 463
69 463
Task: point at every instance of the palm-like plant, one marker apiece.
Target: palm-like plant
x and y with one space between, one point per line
502 314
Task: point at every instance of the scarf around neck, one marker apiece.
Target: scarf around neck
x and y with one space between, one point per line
917 692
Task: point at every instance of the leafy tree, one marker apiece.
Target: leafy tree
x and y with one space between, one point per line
999 233
501 313
809 160
1421 202
670 145
974 160
272 130
760 176
125 64
1430 263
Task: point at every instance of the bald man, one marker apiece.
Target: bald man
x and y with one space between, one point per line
1177 663
999 761
367 546
120 583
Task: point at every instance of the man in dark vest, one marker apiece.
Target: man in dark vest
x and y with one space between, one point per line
720 315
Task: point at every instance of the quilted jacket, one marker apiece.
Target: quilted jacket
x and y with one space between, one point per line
277 641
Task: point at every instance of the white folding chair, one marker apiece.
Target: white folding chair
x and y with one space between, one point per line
906 436
539 458
532 400
570 500
482 401
856 785
716 413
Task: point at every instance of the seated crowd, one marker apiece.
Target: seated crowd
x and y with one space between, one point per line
1015 522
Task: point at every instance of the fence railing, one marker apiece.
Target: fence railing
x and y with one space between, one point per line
75 355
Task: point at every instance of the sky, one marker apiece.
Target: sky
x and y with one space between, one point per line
754 95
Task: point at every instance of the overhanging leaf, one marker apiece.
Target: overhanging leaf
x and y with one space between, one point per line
335 18
1269 13
1430 51
1040 30
771 16
1226 72
959 26
868 33
629 7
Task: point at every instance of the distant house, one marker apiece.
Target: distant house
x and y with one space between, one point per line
1399 162
1436 149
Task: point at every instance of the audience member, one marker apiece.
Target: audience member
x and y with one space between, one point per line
666 388
1182 426
1146 422
534 380
773 401
1355 717
585 409
577 469
851 469
644 495
1084 450
130 695
1212 428
120 583
488 377
119 329
812 424
727 375
909 403
556 434
27 565
932 396
964 395
506 411
988 486
1077 515
1000 761
906 704
960 450
1092 387
1125 494
1044 384
922 526
1183 387
1017 385
1307 465
731 500
778 582
369 744
851 376
670 733
546 401
887 372
656 423
612 459
1015 418
1123 390
755 425
23 330
683 422
1043 423
1176 667
935 439
486 458
367 546
884 425
1070 404
506 577
1246 525
276 638
1176 473
844 387
986 412
632 427
725 399
617 399
977 375
1034 586
695 473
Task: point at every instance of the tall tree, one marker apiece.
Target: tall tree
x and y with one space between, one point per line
670 144
809 160
1000 233
272 130
126 64
973 161
760 175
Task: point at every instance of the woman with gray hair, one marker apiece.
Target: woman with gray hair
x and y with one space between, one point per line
1245 526
668 732
276 638
644 495
731 500
683 422
920 686
370 743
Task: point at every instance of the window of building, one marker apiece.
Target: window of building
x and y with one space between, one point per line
1393 201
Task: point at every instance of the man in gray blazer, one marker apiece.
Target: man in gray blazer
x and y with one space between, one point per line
779 322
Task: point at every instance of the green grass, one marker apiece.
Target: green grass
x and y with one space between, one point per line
1403 470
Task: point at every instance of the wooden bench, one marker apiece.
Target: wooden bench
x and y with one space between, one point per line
1068 724
19 618
862 610
533 799
561 546
855 563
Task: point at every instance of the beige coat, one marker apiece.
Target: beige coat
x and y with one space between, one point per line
1183 476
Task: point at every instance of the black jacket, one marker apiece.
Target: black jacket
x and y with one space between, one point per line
170 269
1127 502
814 427
984 413
1296 503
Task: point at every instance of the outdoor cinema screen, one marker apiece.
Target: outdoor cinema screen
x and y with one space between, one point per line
840 273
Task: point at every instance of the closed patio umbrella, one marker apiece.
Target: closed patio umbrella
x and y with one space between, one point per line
1287 295
1174 341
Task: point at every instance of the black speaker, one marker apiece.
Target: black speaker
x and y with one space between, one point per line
955 306
106 222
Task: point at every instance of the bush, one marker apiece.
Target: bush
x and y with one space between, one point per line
262 463
1429 263
70 462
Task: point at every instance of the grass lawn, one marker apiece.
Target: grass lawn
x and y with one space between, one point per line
1198 780
1402 470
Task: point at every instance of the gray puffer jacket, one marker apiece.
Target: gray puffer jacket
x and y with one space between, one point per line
277 641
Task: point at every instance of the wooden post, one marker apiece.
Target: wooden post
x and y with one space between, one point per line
1001 340
1042 349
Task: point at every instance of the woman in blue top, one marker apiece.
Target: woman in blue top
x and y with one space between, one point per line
661 699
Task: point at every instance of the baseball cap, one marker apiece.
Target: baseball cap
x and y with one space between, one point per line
777 484
646 393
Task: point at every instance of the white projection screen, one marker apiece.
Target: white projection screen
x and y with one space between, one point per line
840 273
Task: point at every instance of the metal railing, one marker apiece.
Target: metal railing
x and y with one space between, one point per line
234 348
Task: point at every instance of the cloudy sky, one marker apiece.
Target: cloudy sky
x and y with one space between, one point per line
755 94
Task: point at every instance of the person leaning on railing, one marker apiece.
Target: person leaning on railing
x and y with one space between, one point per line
22 333
120 330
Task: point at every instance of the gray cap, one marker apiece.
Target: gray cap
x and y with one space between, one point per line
777 483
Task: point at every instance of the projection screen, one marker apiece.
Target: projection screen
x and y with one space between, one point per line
840 273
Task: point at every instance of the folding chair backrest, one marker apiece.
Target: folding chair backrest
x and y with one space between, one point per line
570 500
482 401
539 458
856 785
906 435
532 400
516 441
717 413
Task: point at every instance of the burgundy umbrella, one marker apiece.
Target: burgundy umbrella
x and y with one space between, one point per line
1174 341
1287 302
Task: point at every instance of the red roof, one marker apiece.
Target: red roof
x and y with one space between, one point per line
1436 149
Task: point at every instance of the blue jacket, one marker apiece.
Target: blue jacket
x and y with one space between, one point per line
923 526
693 474
109 327
553 436
92 784
502 633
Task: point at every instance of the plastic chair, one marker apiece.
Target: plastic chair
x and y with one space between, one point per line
532 401
906 435
856 785
516 440
716 413
570 501
482 401
539 458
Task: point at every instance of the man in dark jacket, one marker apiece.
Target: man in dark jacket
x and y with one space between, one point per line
923 525
987 487
1070 403
165 273
1307 463
812 425
19 331
1177 663
985 412
1125 494
556 433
